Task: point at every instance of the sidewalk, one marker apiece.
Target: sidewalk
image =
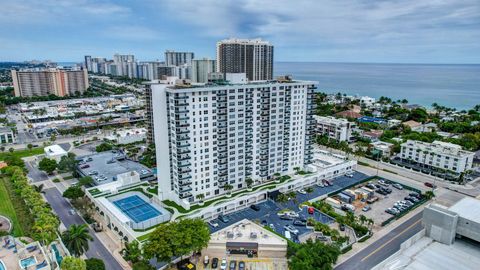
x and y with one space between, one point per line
113 245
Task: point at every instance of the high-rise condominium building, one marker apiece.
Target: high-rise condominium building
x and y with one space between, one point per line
201 68
42 82
251 56
88 62
173 58
209 136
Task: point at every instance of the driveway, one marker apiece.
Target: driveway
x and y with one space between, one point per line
34 173
96 249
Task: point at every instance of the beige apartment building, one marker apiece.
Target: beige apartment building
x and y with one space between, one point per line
59 82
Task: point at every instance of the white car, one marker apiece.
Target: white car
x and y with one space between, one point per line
320 185
223 265
291 229
302 191
349 175
213 223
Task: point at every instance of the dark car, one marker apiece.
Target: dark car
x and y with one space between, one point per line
233 265
241 265
214 263
300 222
85 166
223 219
342 227
286 217
430 185
414 194
264 222
255 207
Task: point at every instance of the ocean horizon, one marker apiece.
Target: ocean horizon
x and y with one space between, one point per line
451 85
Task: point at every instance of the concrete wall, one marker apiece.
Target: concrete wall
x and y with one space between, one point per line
468 228
440 224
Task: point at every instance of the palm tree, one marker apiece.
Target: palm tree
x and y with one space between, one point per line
39 188
249 182
200 196
76 239
228 188
362 219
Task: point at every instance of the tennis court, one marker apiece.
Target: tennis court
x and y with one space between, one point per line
136 208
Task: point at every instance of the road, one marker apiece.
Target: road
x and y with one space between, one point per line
34 173
384 247
96 249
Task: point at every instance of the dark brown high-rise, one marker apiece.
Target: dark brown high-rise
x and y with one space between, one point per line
251 56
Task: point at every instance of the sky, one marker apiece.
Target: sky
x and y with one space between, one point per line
372 31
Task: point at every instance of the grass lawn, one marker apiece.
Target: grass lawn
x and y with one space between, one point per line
13 207
23 153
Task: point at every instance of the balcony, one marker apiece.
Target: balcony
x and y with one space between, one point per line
181 97
222 179
183 170
184 195
184 183
183 138
181 164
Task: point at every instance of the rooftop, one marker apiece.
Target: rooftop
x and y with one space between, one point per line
246 231
109 164
468 208
439 146
55 150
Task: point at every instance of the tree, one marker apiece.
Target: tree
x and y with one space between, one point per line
68 163
30 146
249 182
76 239
72 263
53 138
314 256
95 264
227 187
143 265
104 147
132 252
73 192
178 238
2 148
200 196
47 165
85 181
39 188
11 149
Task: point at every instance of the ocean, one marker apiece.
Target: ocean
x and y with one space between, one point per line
456 86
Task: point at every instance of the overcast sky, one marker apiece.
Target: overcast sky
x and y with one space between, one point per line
394 31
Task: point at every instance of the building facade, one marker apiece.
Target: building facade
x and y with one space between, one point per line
338 129
439 155
43 82
251 56
210 136
173 58
6 135
201 68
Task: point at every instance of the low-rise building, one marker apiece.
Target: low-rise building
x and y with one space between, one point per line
385 149
55 152
6 135
412 124
246 238
438 155
128 136
338 129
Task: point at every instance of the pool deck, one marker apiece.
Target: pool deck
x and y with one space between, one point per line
12 256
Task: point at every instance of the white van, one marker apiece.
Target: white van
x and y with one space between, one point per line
287 235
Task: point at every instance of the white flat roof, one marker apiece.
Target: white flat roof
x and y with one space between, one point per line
243 231
468 208
54 150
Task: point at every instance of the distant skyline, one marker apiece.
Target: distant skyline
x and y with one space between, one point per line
387 31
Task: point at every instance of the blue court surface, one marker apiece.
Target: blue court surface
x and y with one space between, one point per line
136 208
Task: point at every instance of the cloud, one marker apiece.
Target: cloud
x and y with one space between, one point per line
132 33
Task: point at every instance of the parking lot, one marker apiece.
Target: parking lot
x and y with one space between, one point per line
253 264
267 214
377 211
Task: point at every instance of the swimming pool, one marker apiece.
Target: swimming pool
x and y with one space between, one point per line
25 263
136 208
2 266
57 254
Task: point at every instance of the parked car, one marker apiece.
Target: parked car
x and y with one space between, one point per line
255 207
383 183
272 226
300 222
366 208
223 219
213 223
415 194
286 217
241 265
223 265
372 200
264 222
320 185
214 263
391 211
398 186
371 186
206 260
341 227
71 211
301 191
311 210
85 166
349 175
291 229
233 265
